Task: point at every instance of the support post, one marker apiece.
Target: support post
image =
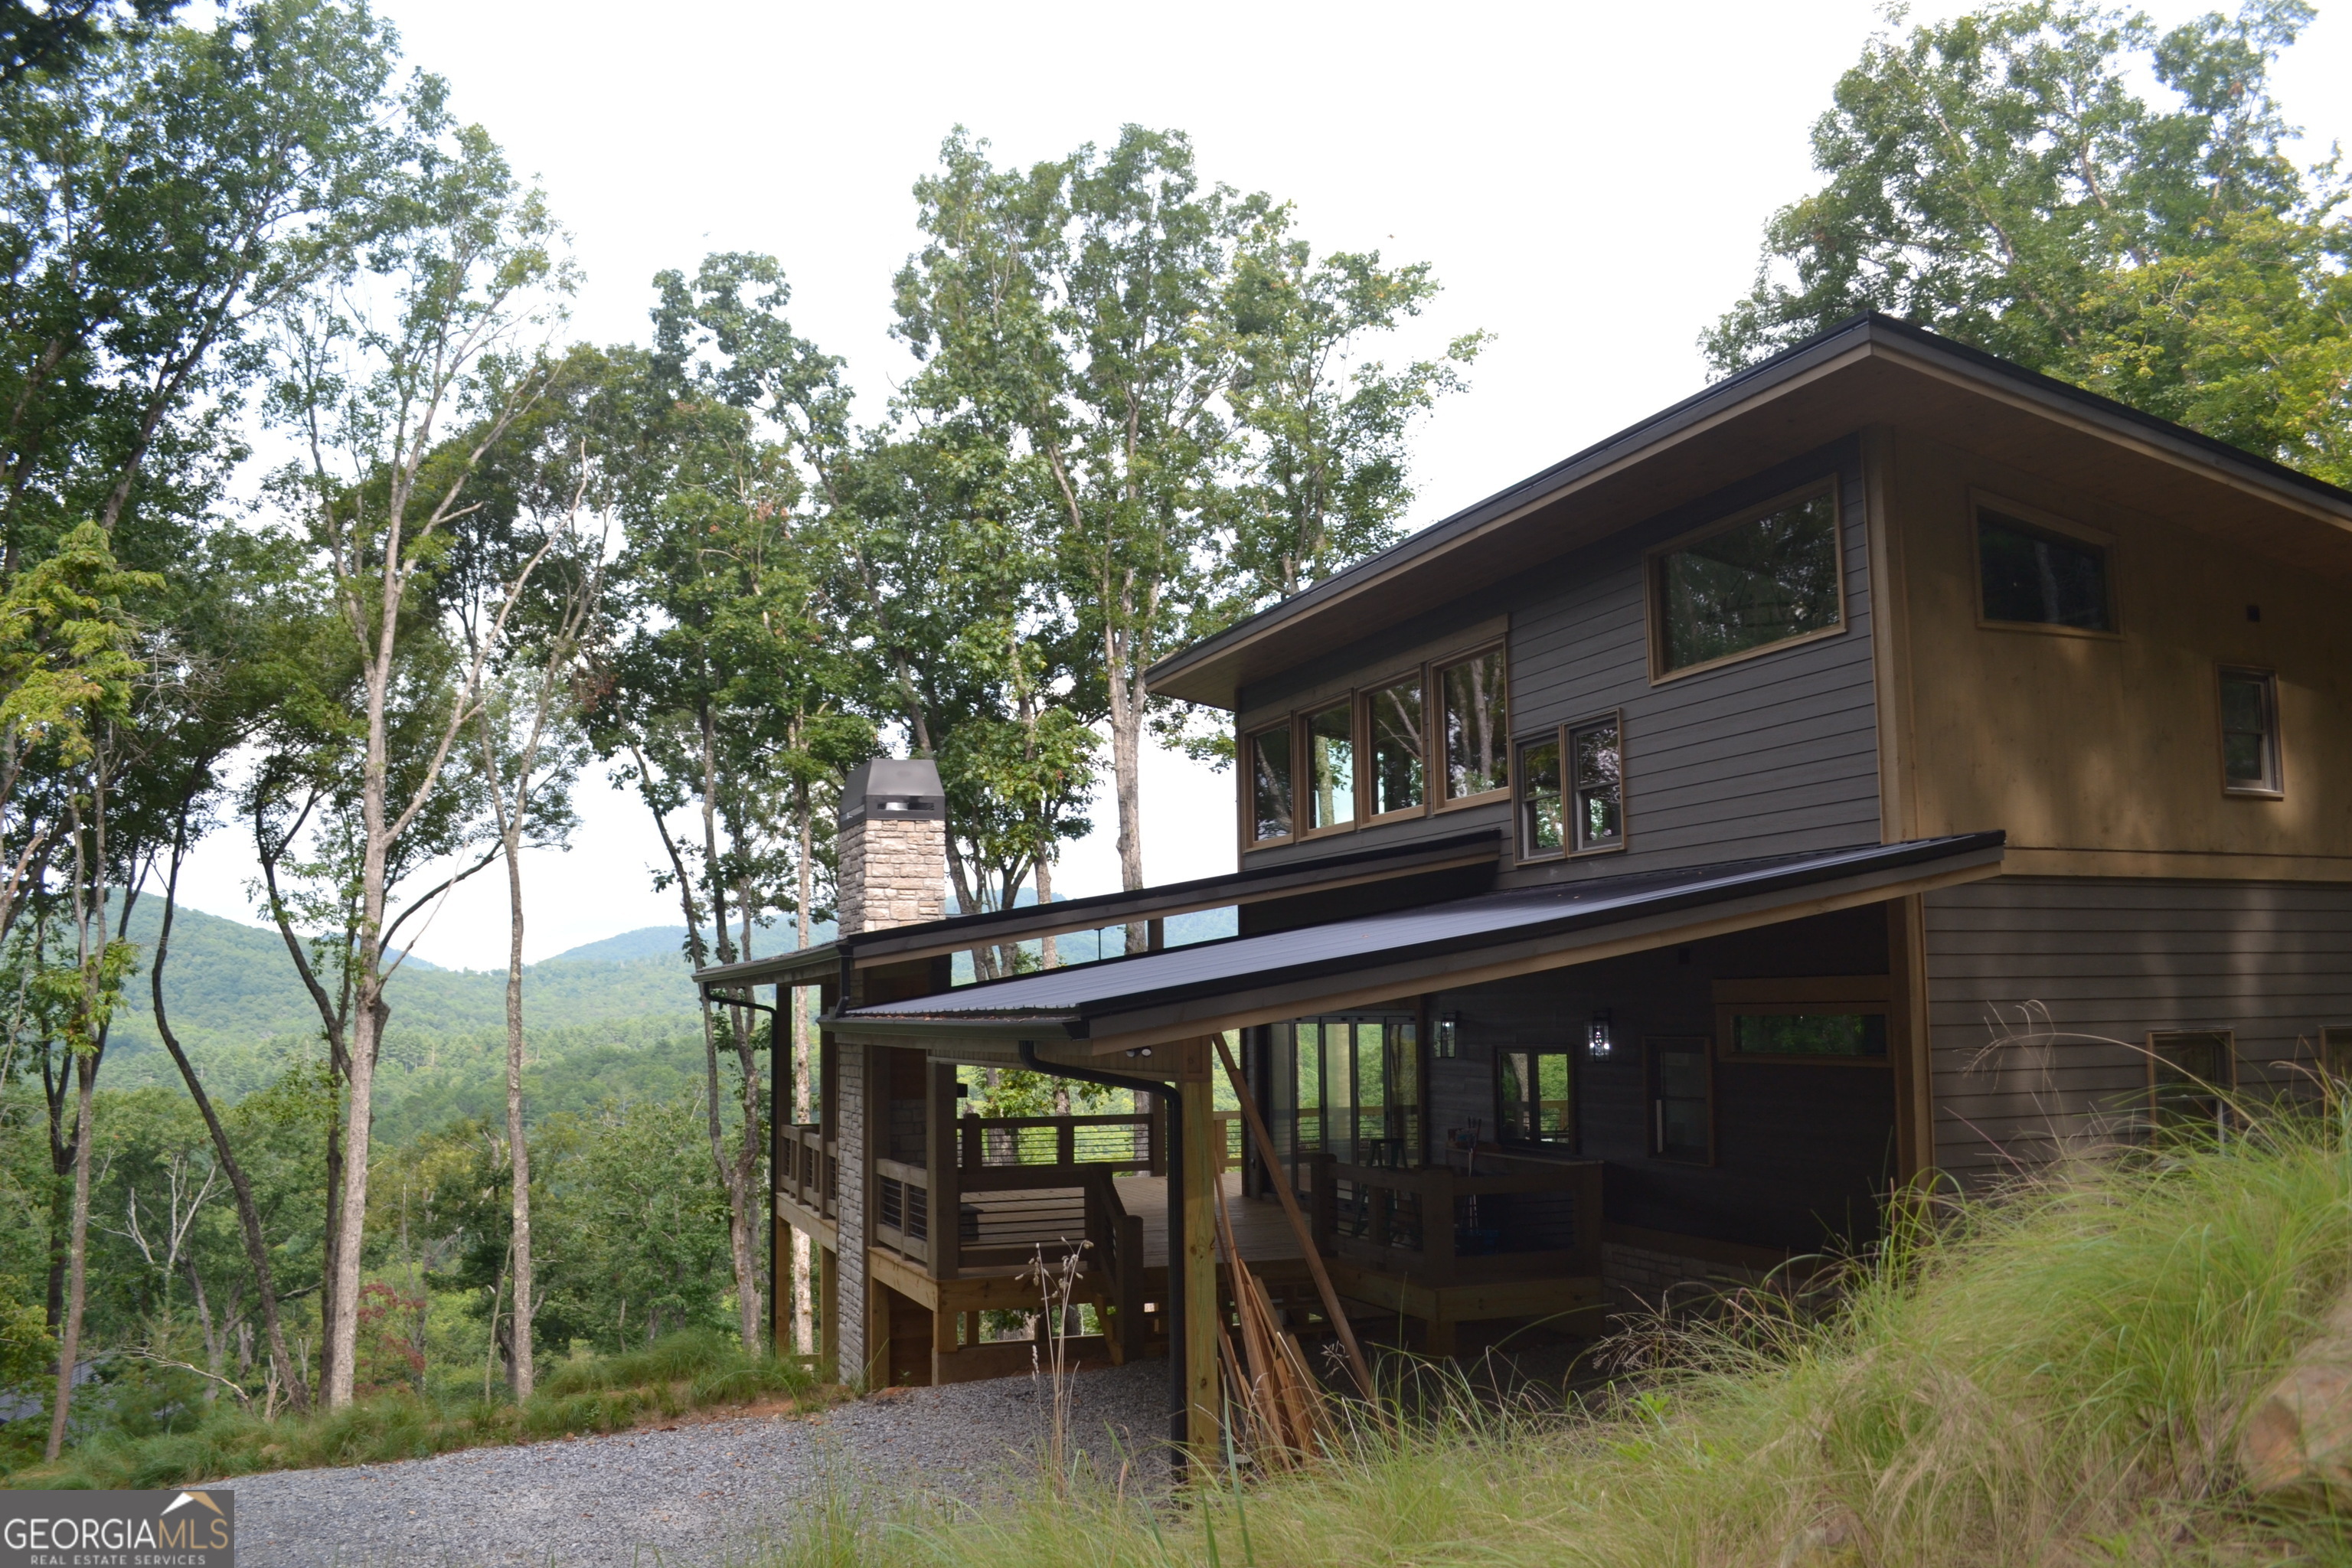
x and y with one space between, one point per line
1203 1189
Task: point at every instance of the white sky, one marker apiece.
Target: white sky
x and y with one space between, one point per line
1591 183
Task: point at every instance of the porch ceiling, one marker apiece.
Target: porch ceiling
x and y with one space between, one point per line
1123 1004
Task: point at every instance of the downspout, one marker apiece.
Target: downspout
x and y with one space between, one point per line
1172 1306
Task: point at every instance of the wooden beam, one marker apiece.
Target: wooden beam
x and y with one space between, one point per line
1203 1189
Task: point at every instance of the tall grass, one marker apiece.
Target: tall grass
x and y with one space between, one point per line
2054 1374
684 1373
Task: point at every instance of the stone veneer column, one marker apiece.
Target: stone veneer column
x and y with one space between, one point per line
893 871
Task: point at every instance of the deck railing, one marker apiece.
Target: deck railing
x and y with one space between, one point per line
1528 1220
808 1168
1115 1142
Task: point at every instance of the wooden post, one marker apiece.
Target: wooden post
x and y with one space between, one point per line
1202 1188
944 1178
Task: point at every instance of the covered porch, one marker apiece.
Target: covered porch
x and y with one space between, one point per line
1512 1107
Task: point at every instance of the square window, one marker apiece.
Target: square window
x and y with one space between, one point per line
1270 799
1331 767
1542 825
1535 1093
2190 1075
1398 748
1599 784
1762 581
1682 1099
2250 731
2031 576
1476 723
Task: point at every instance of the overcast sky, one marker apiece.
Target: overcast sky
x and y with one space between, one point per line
1590 183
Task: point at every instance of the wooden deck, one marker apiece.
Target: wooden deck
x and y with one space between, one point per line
1260 1230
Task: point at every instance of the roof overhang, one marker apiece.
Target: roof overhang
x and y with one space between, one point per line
935 939
1873 371
1142 1002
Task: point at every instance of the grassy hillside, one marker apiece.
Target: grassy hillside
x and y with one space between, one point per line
2055 1376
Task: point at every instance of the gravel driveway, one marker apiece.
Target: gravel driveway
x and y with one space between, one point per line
701 1493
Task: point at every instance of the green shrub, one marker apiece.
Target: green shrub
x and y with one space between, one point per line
694 1371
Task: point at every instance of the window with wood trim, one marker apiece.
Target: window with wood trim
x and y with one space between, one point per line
2191 1076
1268 759
1397 755
1476 724
2250 738
1331 768
1543 821
1768 578
1535 1096
2030 575
1596 762
1682 1098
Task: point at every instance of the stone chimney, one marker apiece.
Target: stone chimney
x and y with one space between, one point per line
893 871
893 844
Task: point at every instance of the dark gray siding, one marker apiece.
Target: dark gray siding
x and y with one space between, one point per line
1804 1152
2042 993
1775 753
1772 754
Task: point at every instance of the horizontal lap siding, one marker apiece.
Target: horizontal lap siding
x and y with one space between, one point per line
2042 993
1776 754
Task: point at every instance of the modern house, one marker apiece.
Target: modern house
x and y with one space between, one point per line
1888 764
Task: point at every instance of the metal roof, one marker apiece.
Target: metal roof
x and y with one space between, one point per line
1543 925
897 943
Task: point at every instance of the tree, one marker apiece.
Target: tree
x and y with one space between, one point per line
470 276
53 39
723 701
2002 178
525 728
1171 362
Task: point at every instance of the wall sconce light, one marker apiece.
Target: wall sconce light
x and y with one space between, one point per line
1598 1044
1449 1035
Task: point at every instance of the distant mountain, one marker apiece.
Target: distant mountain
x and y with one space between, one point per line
241 1010
669 942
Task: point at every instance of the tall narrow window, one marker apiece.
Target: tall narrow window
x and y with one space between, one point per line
1269 785
1331 767
1542 826
1756 583
1536 1097
1599 807
1400 748
2190 1075
1682 1100
1476 724
2250 752
2031 576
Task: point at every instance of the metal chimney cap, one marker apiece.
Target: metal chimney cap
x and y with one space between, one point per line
902 788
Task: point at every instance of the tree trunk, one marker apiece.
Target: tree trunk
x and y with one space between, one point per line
1048 956
803 1100
76 1253
510 824
1126 761
248 1216
525 1302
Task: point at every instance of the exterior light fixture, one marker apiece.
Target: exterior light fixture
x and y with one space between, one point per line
1599 1045
1449 1035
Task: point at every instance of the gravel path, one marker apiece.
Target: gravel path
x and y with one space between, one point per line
699 1494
